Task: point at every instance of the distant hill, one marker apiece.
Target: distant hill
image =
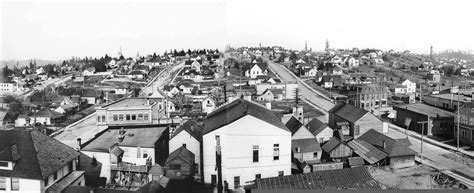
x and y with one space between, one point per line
21 63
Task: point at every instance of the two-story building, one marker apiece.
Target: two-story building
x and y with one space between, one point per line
189 135
466 124
31 161
370 97
252 141
353 121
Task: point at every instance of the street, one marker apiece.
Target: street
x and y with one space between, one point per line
162 79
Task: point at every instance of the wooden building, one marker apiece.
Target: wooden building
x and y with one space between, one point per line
180 164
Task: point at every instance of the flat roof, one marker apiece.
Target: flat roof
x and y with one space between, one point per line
426 110
134 137
130 103
447 96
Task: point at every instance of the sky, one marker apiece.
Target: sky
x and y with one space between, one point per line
57 30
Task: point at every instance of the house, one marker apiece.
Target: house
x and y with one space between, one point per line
337 71
43 76
44 116
90 96
255 70
188 135
400 89
298 130
399 154
88 71
367 152
186 88
353 121
272 80
336 150
306 150
209 104
196 65
410 86
128 149
31 161
441 122
271 95
7 86
120 91
311 72
171 90
330 81
358 178
352 62
64 109
371 97
180 164
130 111
6 119
321 131
245 133
447 101
466 124
378 61
136 74
40 70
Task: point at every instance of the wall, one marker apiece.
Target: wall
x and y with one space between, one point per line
302 133
288 89
402 162
130 155
237 140
326 134
26 186
309 156
103 158
367 122
186 170
192 145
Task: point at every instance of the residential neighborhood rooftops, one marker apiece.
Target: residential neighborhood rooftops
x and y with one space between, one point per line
133 137
367 151
348 178
348 112
39 155
424 109
237 109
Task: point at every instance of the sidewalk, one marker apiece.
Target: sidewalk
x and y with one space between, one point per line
431 141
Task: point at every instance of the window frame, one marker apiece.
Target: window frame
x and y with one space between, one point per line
255 152
17 182
3 182
115 117
276 151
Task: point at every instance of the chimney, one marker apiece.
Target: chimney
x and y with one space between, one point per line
78 144
184 144
147 101
192 127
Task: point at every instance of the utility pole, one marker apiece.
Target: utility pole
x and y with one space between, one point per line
422 134
218 164
457 138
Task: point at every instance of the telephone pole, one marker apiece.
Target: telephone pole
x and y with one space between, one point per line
218 164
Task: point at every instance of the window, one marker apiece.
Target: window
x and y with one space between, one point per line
213 180
321 140
98 118
138 152
55 176
103 118
121 117
134 117
115 117
145 153
127 117
297 149
145 116
236 182
125 152
15 184
140 117
276 151
258 176
315 155
357 130
45 181
3 164
175 167
281 173
255 153
3 183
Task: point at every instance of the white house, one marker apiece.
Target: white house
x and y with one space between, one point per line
298 130
253 143
44 116
33 162
209 104
88 71
256 70
8 87
120 91
189 135
321 131
353 62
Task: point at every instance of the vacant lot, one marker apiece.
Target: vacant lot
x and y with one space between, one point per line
416 177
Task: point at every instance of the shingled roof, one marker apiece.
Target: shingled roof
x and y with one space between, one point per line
348 112
393 147
293 125
192 128
181 153
315 126
40 155
237 109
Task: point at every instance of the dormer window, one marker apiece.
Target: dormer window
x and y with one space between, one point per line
3 164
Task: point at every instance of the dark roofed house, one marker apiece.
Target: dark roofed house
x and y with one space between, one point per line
33 161
189 135
353 121
306 150
180 164
399 154
320 130
337 150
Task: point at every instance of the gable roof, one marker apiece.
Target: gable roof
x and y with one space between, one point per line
181 153
306 145
393 147
40 154
315 126
348 112
46 112
192 128
237 109
367 151
293 125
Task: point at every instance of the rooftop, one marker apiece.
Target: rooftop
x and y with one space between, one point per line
134 103
393 147
40 155
306 145
192 128
448 96
143 137
367 151
181 153
426 110
315 126
348 112
348 178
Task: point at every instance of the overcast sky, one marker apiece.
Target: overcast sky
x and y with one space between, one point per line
61 29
